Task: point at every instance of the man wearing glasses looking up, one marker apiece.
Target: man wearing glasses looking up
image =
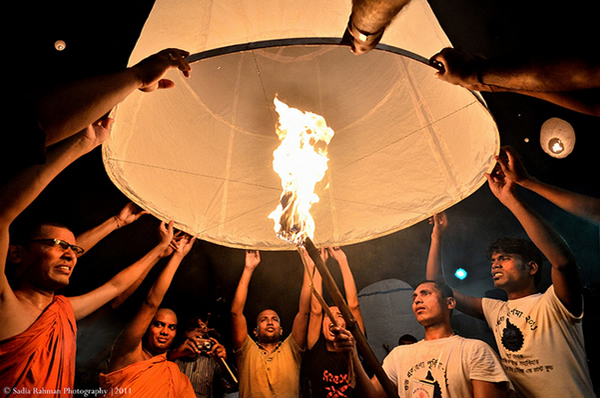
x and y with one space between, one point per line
38 333
36 323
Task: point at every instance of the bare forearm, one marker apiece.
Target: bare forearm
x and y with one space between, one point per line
124 279
241 293
161 285
300 325
434 271
317 285
545 74
581 205
305 296
63 112
373 16
369 388
90 238
239 327
351 293
349 284
22 190
550 243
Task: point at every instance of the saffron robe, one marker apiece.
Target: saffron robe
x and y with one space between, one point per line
41 360
154 377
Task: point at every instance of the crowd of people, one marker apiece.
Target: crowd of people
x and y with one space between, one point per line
539 335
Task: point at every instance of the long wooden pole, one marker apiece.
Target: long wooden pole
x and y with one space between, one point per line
351 324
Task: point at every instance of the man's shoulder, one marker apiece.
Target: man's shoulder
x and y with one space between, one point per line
21 319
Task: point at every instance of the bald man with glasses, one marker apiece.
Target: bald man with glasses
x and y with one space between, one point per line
38 333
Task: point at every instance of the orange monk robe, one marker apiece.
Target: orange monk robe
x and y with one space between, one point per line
41 360
154 377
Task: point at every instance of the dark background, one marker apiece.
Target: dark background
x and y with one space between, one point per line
101 34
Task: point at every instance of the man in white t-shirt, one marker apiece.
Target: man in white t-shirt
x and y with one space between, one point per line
539 335
441 365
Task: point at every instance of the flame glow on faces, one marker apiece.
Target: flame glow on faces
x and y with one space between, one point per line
301 162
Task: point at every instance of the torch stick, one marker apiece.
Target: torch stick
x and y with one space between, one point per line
328 313
351 324
224 362
315 293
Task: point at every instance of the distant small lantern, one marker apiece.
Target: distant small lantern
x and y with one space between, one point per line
60 45
557 138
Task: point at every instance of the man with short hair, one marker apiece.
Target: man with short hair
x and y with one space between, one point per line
325 372
202 358
539 335
441 365
138 366
268 367
36 323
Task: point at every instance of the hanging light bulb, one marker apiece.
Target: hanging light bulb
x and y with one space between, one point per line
557 138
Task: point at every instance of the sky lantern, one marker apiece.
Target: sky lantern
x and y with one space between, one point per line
406 145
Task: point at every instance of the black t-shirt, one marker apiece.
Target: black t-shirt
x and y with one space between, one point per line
324 374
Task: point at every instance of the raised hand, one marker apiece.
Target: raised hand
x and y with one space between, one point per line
151 70
166 232
183 244
252 259
512 165
459 68
96 133
337 253
502 187
218 350
440 224
343 341
130 213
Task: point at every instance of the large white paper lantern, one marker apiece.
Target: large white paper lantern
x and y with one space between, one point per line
406 145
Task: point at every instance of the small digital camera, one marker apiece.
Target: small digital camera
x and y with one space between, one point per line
205 346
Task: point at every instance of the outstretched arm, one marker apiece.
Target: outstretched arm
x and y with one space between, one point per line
300 324
128 214
87 303
316 311
69 109
369 388
129 343
565 275
121 298
349 285
583 206
468 304
434 271
239 326
368 21
23 189
568 81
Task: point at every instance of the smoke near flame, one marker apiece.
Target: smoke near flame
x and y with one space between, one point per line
301 162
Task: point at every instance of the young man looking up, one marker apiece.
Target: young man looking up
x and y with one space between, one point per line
441 365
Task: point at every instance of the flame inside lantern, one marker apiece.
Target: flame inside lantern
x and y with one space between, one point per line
301 162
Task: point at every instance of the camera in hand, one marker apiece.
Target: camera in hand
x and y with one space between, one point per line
205 346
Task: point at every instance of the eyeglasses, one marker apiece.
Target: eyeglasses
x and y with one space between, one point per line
78 250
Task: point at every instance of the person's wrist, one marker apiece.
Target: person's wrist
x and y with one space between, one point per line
528 182
118 222
136 76
364 35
